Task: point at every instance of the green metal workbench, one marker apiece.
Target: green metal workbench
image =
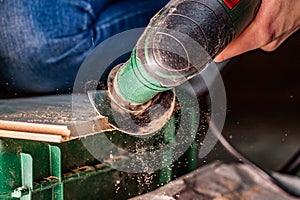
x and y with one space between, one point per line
67 170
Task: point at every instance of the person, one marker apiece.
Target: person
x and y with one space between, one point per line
43 43
275 21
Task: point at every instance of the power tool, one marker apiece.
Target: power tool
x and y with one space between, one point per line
179 42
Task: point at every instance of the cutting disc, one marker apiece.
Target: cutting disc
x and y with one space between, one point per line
142 119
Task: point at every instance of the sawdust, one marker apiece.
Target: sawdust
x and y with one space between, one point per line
56 109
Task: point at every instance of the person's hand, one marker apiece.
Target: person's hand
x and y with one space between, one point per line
276 20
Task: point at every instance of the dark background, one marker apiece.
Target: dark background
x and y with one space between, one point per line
263 96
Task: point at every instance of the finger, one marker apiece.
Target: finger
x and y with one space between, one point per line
246 41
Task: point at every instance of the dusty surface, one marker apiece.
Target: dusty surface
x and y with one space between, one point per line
219 182
71 114
55 109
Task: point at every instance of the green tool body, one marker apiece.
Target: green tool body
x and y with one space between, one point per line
180 41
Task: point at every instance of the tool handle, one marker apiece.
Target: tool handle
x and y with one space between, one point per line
184 37
180 41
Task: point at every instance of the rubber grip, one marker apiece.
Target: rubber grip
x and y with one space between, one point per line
183 38
180 41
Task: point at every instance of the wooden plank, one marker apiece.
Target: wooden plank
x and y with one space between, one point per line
31 136
35 127
63 116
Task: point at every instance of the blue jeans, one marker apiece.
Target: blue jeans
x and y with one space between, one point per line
43 43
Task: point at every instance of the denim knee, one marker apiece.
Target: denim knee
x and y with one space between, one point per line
42 45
